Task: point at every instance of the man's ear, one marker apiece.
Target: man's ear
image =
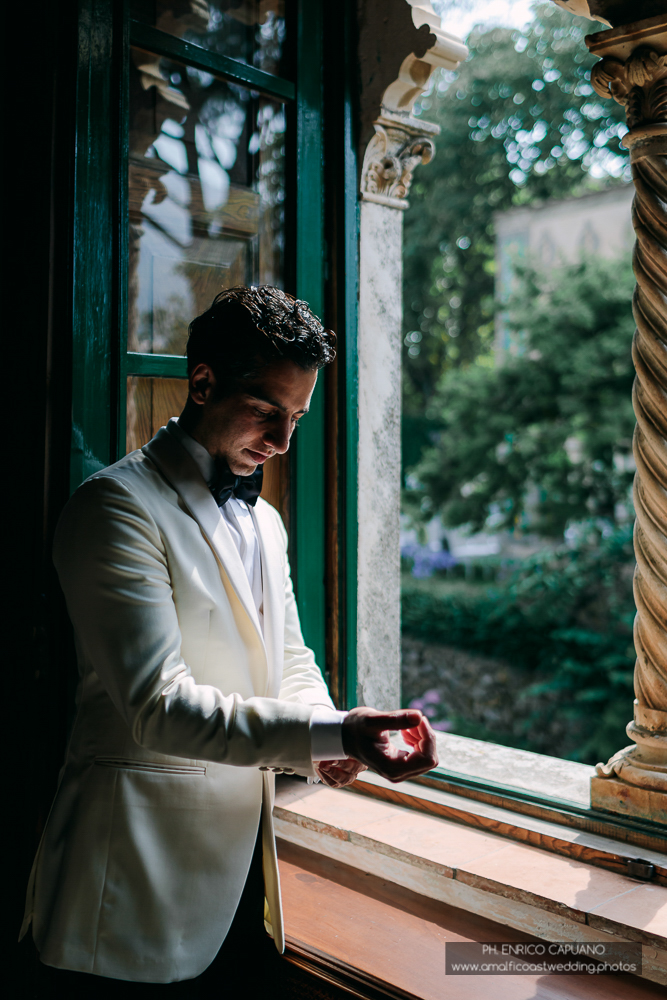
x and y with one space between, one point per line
202 383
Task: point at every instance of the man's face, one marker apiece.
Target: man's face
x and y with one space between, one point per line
250 426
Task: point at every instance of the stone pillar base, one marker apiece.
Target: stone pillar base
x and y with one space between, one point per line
616 796
634 781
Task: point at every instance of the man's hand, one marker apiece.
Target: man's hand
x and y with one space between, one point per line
366 739
339 773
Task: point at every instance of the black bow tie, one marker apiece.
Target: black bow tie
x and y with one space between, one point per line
225 484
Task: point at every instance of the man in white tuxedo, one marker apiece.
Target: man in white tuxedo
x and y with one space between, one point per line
195 682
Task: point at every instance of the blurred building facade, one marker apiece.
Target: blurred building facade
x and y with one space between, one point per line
555 233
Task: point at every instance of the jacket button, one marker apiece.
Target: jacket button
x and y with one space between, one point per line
264 769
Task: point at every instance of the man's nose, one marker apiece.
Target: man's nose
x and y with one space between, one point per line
279 436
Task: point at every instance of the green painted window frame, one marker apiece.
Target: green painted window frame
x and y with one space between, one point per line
95 244
307 545
100 361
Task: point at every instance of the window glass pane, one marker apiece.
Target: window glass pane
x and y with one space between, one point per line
251 31
206 194
150 404
276 485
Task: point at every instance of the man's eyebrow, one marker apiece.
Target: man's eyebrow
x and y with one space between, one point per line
272 402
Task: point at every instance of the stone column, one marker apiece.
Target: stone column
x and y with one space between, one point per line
391 156
633 71
401 141
379 347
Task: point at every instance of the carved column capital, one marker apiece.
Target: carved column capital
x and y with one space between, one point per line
402 141
399 144
633 71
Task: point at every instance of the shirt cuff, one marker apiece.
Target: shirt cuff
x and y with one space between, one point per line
326 734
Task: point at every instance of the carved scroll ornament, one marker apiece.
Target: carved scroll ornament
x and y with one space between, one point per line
391 156
401 140
640 85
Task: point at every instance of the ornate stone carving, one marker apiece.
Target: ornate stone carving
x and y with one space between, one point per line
634 72
402 141
640 85
415 72
392 155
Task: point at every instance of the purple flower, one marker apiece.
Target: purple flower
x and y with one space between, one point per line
425 561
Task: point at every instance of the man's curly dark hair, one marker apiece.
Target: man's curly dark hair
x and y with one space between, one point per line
249 329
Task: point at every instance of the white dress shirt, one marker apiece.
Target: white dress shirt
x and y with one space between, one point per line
326 739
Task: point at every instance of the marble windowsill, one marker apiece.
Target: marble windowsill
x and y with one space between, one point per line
532 773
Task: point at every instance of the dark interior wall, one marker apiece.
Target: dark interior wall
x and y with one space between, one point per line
386 35
41 52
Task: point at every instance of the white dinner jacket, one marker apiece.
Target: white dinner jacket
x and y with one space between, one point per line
181 700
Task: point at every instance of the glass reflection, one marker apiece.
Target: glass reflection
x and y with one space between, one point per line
250 31
150 404
206 196
276 485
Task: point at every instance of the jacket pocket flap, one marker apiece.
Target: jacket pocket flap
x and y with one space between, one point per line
130 764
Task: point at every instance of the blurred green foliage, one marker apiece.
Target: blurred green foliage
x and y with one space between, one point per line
542 439
565 618
520 124
545 437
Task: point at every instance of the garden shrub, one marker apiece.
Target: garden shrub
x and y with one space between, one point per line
564 617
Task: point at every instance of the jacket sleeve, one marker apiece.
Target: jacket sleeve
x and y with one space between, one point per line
302 680
113 570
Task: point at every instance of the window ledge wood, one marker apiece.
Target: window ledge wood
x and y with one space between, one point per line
371 938
536 830
527 885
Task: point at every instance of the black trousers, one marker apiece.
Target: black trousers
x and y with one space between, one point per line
247 962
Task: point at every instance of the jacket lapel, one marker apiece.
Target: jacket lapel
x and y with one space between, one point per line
180 470
273 591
